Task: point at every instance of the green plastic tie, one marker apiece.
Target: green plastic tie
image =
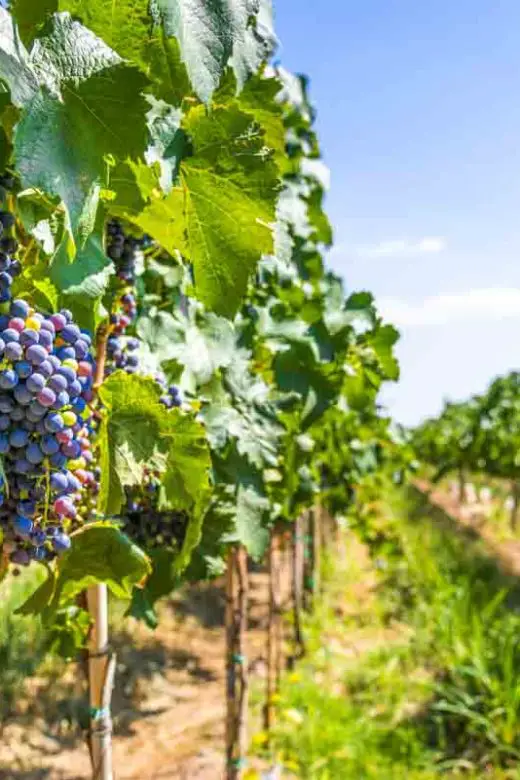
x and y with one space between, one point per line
237 763
238 658
96 713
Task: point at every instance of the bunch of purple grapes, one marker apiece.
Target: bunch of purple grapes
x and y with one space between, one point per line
9 266
146 525
46 378
121 349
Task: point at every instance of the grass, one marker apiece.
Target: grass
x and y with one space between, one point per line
22 639
423 679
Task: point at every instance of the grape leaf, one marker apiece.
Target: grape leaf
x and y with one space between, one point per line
210 33
65 136
185 45
15 68
138 432
100 553
201 348
221 212
251 511
230 191
30 16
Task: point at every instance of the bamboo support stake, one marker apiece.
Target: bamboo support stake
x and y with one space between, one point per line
297 576
316 520
237 682
101 669
273 649
100 660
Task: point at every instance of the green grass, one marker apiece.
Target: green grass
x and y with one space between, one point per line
440 696
22 639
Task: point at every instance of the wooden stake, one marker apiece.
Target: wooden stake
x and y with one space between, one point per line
274 630
297 576
237 681
101 669
316 520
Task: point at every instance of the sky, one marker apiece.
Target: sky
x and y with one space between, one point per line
419 120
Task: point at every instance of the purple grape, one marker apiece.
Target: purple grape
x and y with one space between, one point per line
10 334
67 372
36 354
59 481
71 333
62 399
19 308
8 379
17 415
49 445
61 542
58 321
46 397
18 438
28 337
58 460
22 395
13 351
23 525
6 404
58 383
23 369
54 423
33 453
72 449
35 383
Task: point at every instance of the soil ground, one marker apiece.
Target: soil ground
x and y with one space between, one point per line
169 702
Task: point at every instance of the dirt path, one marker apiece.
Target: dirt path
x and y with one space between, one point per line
168 704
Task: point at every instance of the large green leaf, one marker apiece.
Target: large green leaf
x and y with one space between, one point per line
251 513
15 68
221 213
201 348
182 41
210 33
230 191
91 110
30 16
138 432
100 553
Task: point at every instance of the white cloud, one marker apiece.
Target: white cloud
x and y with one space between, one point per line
495 303
404 247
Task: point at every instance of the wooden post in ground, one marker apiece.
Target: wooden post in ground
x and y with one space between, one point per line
237 683
316 537
101 668
462 487
515 505
297 577
274 628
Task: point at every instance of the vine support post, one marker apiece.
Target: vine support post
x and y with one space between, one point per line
462 486
297 576
516 505
316 517
237 682
274 628
101 668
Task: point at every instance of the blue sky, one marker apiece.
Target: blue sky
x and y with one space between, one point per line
419 119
